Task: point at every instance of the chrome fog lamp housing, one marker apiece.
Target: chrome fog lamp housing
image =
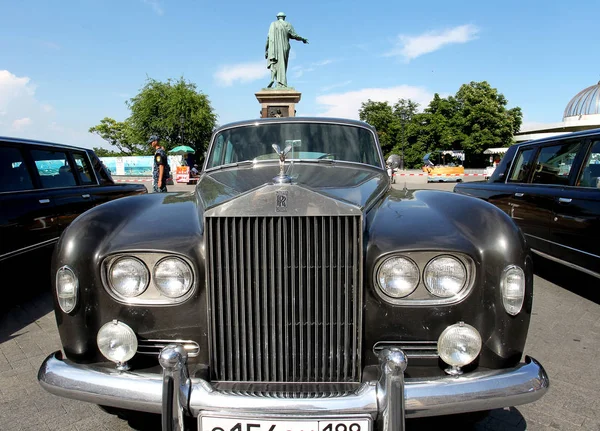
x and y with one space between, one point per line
117 342
397 276
173 277
445 276
128 277
512 286
459 345
67 289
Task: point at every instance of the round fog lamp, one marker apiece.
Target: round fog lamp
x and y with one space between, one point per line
459 344
173 277
67 286
117 342
398 277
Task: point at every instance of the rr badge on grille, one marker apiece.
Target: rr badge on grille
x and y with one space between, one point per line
281 203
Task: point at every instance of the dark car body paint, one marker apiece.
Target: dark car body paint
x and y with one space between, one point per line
393 221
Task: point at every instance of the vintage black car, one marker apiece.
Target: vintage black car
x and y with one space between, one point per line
551 189
294 289
43 187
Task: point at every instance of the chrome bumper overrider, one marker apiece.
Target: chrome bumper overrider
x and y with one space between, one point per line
387 401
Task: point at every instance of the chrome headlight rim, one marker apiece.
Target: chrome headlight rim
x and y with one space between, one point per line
112 264
67 310
381 290
462 265
503 281
189 288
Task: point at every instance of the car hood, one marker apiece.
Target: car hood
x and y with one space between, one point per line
359 185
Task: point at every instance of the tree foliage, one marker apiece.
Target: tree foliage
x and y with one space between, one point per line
173 110
474 119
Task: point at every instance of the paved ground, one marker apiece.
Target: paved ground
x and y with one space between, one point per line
564 336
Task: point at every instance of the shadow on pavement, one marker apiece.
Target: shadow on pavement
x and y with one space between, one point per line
577 282
17 313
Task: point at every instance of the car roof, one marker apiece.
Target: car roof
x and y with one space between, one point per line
580 134
37 142
323 120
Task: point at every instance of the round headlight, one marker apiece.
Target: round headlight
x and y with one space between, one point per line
459 344
67 286
173 277
398 277
445 276
512 286
128 277
117 341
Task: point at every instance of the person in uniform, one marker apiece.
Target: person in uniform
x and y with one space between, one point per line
160 168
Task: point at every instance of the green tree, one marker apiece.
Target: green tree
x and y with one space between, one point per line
103 152
381 116
158 109
120 135
173 110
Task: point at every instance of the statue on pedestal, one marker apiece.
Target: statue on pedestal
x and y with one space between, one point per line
277 50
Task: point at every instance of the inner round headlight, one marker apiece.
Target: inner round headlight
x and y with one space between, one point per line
117 341
459 344
67 286
445 276
173 277
512 286
398 276
128 277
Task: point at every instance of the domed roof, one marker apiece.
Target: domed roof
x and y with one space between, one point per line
586 102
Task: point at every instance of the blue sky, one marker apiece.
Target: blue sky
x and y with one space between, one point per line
65 65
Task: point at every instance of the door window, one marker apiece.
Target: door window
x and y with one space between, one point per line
54 168
83 166
554 163
522 166
590 174
14 175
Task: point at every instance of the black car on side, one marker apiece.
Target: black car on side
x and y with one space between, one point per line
294 289
43 188
551 189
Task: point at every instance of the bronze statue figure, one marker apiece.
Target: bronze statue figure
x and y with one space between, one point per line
277 50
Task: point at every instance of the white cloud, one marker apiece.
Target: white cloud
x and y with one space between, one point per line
298 71
19 109
20 123
227 75
156 7
346 105
50 45
410 47
327 88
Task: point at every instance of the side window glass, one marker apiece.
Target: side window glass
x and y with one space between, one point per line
14 175
102 171
217 153
83 166
54 168
522 166
554 163
590 174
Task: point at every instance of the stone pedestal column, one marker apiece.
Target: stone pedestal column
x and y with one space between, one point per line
278 102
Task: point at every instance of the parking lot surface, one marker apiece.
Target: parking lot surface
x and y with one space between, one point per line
564 336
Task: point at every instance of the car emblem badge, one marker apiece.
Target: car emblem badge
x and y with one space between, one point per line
281 202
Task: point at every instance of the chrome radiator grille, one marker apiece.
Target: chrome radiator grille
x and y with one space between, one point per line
285 298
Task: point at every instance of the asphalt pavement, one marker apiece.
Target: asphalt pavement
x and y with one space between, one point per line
564 336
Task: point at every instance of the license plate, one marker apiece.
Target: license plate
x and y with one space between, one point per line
216 423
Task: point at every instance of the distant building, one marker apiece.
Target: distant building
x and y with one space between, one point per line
581 113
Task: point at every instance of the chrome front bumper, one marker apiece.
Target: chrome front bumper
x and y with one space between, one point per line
386 401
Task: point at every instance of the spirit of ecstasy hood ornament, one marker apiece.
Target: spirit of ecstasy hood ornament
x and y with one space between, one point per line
282 178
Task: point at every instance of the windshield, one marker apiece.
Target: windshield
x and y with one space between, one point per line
308 141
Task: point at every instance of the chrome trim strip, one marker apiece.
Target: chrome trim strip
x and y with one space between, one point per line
569 264
28 248
564 246
480 390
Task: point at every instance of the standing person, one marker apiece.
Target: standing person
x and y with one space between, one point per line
160 168
277 50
